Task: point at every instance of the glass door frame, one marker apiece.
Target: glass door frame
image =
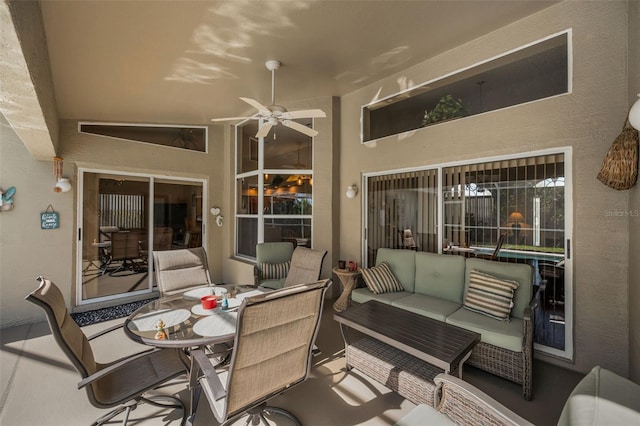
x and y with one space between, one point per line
568 352
150 202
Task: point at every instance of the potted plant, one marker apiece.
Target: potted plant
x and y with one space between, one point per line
447 108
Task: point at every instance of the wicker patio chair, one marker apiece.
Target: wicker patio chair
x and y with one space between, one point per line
274 338
120 384
460 403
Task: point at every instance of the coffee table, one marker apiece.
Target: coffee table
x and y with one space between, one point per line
435 342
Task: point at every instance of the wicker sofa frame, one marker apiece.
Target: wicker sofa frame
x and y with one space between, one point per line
516 366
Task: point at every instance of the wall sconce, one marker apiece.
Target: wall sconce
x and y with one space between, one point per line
62 184
215 211
634 114
352 191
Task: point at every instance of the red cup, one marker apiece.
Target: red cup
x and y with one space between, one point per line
209 302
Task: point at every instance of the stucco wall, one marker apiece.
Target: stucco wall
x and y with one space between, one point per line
634 204
27 251
588 120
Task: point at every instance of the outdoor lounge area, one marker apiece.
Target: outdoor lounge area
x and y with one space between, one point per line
332 212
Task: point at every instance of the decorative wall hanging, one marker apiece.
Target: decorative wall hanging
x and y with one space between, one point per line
49 219
6 199
619 168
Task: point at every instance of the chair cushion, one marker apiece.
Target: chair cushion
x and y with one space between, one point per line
422 415
489 295
380 279
440 275
503 334
520 272
274 271
402 263
428 306
602 398
362 295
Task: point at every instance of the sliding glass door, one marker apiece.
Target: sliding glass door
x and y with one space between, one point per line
123 219
520 206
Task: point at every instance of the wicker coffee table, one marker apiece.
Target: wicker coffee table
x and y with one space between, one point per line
442 345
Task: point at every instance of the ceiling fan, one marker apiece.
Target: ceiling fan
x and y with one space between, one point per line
274 114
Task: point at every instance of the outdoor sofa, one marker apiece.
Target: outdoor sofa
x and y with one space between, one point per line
437 286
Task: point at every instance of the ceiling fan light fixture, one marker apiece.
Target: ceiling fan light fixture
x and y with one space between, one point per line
275 114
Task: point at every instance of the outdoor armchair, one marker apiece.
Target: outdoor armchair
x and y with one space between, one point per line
120 384
273 260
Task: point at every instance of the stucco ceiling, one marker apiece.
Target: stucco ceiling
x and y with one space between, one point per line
185 62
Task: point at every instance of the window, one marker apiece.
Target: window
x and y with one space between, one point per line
274 188
523 200
533 72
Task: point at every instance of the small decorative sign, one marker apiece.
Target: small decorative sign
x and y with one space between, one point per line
49 219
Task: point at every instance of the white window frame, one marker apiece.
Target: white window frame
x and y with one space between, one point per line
568 352
80 232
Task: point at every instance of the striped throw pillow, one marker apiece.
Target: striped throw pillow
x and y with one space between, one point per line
489 295
274 271
380 279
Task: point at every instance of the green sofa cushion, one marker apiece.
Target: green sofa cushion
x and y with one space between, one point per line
273 284
507 335
520 272
362 295
402 264
440 275
427 306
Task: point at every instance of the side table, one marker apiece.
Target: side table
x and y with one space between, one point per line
348 279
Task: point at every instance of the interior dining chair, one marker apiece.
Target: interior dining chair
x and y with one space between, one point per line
119 385
306 266
274 338
180 270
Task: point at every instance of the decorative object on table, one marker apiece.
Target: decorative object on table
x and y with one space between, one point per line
352 266
342 264
49 219
62 184
619 168
6 198
352 191
209 302
447 108
160 333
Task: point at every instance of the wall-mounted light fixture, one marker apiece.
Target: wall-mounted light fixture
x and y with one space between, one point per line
62 184
352 191
634 114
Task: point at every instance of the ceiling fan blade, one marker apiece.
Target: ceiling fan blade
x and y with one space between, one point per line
304 113
264 130
233 118
263 110
300 128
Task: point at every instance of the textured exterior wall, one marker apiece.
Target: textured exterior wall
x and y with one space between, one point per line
634 204
588 120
